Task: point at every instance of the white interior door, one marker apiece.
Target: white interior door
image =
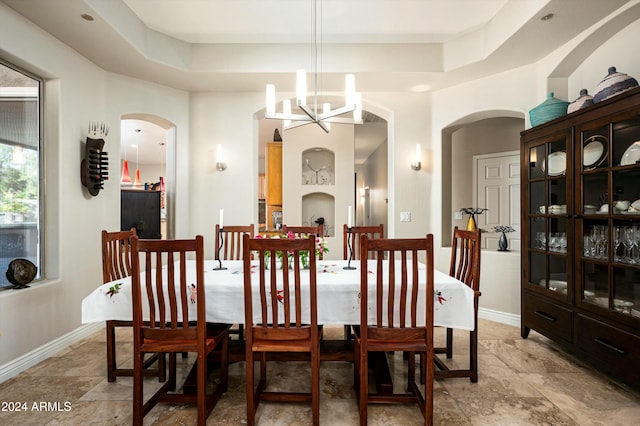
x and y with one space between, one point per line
497 188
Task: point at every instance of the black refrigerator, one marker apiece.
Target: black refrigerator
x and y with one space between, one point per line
141 210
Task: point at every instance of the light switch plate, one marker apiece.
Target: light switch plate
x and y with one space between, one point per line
405 216
458 215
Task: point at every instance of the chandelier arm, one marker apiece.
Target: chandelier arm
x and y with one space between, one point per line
304 123
343 120
338 111
309 112
282 116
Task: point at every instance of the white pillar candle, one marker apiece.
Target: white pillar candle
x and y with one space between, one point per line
349 217
221 218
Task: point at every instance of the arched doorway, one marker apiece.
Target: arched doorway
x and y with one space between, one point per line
477 135
148 144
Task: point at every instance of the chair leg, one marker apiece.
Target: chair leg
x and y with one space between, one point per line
201 389
364 387
473 355
347 332
315 386
224 365
411 375
250 392
138 401
162 367
449 342
111 351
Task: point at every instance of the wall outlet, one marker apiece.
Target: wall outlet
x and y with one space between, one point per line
405 216
457 215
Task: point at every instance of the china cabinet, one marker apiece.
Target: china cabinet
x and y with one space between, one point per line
581 233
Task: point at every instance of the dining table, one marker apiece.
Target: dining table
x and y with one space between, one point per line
338 295
338 303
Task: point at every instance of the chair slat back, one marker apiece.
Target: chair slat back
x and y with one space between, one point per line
353 238
397 287
166 289
232 241
304 232
116 254
465 257
280 292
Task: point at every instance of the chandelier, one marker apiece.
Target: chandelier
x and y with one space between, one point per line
322 115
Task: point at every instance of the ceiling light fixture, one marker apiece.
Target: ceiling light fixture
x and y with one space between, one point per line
321 115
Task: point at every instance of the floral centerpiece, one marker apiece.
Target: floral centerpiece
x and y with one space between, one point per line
320 243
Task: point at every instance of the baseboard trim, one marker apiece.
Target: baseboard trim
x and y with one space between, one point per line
28 360
501 317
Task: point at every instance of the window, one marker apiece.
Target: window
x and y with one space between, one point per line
20 168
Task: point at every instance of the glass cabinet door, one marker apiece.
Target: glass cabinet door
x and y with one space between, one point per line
549 208
608 220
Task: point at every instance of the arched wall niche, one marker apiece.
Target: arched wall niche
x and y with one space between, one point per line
318 166
319 205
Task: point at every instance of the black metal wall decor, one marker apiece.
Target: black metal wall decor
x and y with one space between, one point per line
94 169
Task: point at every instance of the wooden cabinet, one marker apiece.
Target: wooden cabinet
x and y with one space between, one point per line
273 171
581 233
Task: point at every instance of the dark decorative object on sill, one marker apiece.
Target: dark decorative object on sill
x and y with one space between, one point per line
21 272
503 242
94 168
276 136
472 212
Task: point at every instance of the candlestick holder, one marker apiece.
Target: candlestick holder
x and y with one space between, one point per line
220 267
349 267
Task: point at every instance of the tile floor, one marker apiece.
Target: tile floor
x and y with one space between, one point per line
522 382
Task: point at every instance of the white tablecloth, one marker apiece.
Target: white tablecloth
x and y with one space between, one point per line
338 297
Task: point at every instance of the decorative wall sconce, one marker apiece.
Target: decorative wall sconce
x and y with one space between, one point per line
220 164
94 168
417 165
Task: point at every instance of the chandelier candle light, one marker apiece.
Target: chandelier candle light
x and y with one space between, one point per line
320 115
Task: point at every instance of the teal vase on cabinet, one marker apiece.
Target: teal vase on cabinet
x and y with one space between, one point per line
550 109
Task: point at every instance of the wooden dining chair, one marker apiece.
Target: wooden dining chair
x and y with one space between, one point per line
304 231
390 294
351 241
353 238
231 240
281 300
176 305
116 265
464 266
